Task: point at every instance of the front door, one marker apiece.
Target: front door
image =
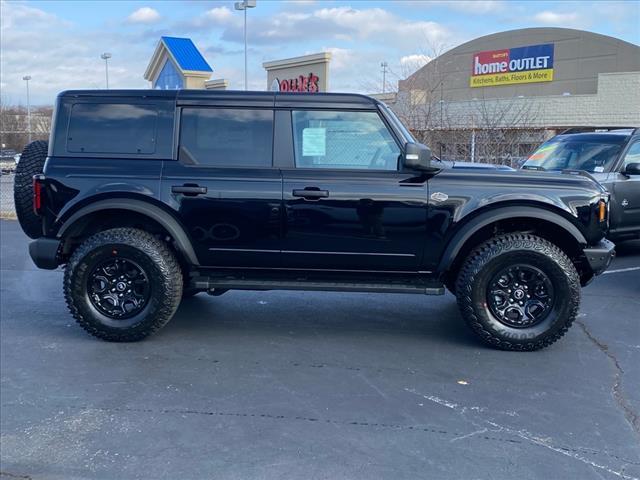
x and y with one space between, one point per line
224 186
348 206
625 192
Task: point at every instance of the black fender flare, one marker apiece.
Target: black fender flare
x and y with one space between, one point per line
466 231
164 218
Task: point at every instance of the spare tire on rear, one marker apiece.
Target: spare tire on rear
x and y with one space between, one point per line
31 163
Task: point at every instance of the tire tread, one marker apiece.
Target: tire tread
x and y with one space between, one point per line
31 163
160 254
476 261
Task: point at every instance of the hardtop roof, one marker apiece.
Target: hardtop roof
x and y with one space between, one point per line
235 95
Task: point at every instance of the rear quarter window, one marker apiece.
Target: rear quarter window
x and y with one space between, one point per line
112 128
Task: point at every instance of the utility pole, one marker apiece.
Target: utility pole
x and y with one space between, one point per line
106 56
26 78
244 5
384 66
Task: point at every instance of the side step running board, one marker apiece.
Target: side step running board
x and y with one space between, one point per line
315 285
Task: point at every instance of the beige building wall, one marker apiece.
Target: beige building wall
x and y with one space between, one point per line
616 103
293 68
195 81
579 57
216 84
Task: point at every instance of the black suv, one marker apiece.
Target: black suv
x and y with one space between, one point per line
612 157
151 196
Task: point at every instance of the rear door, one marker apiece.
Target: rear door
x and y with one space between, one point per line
348 206
224 186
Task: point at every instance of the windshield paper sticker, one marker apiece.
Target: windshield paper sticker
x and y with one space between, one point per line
314 142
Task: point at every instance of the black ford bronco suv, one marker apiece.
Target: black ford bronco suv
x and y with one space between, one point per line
148 197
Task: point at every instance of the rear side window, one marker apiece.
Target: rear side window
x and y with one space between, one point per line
112 128
226 137
351 140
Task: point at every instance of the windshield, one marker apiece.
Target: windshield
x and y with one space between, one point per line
592 157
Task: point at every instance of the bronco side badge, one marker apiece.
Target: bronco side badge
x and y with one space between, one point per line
439 196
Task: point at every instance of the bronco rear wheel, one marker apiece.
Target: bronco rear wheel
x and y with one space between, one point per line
122 284
31 163
518 292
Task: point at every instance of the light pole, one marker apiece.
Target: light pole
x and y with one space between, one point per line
106 56
244 5
384 66
26 78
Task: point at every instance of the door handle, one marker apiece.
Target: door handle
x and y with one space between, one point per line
311 193
189 190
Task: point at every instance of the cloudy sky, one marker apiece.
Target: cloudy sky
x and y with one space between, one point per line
59 43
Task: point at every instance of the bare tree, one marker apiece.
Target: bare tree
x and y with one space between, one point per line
14 124
499 131
481 130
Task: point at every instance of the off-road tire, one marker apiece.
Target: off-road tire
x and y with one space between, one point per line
499 252
153 255
31 163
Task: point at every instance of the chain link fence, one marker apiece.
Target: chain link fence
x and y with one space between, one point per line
17 129
7 174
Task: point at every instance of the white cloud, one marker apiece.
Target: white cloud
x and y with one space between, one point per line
72 61
341 58
549 17
474 7
144 15
375 26
373 23
218 15
417 60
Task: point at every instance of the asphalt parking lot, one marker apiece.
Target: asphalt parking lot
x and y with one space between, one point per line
254 385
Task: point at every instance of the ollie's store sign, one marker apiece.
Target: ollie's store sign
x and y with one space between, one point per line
302 83
514 65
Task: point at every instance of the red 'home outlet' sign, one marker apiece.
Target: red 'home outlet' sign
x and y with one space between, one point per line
302 83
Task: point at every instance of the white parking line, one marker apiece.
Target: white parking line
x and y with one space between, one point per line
620 270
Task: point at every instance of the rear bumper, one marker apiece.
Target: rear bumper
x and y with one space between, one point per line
599 256
44 252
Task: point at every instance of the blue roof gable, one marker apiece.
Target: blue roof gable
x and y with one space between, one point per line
186 54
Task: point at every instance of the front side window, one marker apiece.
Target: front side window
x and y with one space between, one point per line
112 128
632 155
351 140
226 137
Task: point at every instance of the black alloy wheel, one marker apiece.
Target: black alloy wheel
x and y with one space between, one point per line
518 291
118 288
520 296
123 284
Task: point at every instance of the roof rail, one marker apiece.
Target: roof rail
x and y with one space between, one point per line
595 129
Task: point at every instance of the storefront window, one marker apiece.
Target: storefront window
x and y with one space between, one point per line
169 78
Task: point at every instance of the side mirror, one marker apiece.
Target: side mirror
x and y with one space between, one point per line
632 169
417 156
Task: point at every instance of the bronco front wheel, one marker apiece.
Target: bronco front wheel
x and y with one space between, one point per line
122 284
518 292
